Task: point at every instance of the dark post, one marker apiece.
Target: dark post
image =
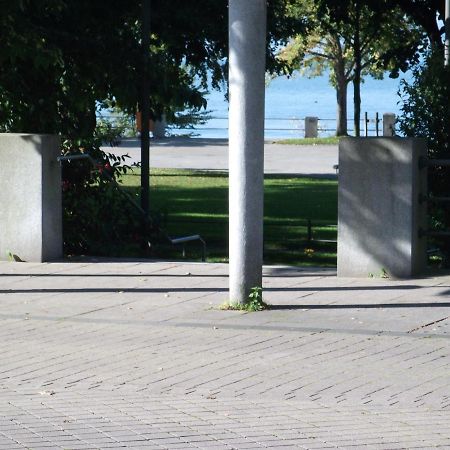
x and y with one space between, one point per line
309 225
358 69
145 108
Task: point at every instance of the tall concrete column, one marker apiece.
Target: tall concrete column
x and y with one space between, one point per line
247 38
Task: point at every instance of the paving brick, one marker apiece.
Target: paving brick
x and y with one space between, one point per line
94 367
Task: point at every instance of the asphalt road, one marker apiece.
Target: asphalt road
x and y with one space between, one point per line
212 154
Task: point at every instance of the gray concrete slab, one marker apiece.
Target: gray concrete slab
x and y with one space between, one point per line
212 154
138 355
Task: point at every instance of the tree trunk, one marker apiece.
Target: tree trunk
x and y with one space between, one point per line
357 77
341 96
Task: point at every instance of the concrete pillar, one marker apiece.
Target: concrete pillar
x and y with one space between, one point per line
311 127
30 197
247 38
389 124
379 213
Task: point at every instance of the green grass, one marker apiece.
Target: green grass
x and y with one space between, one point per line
195 202
333 140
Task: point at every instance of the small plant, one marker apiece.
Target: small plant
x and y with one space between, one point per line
383 274
97 218
13 257
255 303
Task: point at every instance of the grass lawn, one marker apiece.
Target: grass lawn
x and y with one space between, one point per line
333 140
195 202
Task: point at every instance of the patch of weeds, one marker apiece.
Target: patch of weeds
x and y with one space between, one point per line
254 303
383 274
13 257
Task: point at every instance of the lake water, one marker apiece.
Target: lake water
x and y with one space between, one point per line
290 100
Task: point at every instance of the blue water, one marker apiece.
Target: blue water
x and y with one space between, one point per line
290 100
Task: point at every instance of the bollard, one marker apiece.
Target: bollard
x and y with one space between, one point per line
388 124
311 127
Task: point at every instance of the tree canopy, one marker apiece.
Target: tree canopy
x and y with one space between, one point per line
60 58
351 39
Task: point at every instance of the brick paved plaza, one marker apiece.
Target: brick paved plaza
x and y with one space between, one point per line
138 355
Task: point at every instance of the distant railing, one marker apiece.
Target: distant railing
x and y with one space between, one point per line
279 127
274 127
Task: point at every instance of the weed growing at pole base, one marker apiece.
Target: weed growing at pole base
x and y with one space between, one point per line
255 303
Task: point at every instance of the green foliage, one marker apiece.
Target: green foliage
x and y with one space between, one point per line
255 300
334 140
350 39
426 113
114 124
425 107
423 13
97 219
60 59
255 303
189 119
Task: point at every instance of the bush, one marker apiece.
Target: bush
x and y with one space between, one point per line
97 218
426 113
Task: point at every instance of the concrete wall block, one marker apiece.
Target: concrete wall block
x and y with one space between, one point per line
379 214
30 197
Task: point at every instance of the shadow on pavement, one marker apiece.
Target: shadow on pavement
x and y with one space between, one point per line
204 289
365 306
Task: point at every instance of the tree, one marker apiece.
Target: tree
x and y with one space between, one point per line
424 13
425 112
376 26
65 57
351 44
60 59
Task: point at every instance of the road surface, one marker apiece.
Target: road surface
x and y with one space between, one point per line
212 154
